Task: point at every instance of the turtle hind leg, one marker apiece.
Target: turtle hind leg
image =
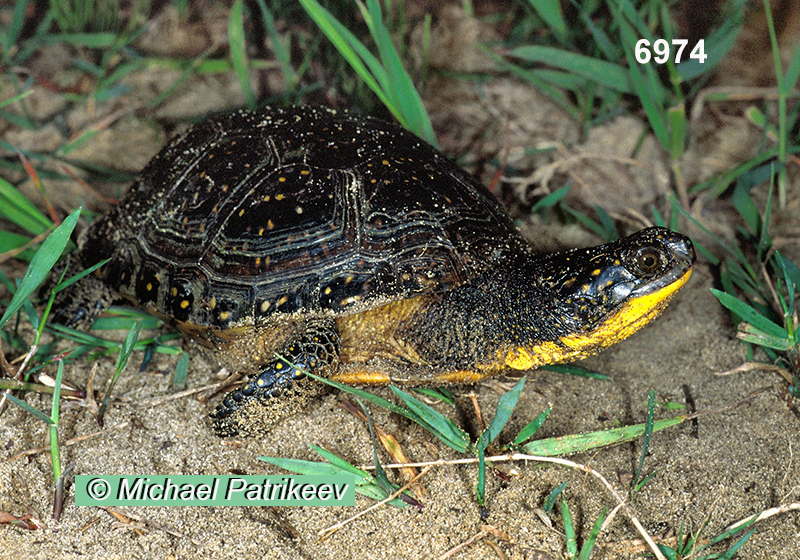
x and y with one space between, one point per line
281 387
81 303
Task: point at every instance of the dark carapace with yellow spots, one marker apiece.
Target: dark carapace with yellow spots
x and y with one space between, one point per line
354 250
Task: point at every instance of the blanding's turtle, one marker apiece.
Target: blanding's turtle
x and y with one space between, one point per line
350 248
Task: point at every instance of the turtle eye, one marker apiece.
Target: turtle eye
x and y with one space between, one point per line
647 261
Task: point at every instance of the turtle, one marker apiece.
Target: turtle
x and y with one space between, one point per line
296 240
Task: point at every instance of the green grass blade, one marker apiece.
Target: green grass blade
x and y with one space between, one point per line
435 422
750 315
281 52
648 432
12 241
727 534
607 47
536 79
401 87
505 407
369 397
550 500
122 360
791 276
588 544
41 264
28 408
429 418
340 463
64 284
578 371
550 12
19 210
480 488
385 77
307 467
569 529
731 552
440 394
750 334
551 199
127 347
365 483
651 93
55 454
346 43
717 44
676 117
530 430
583 442
181 372
792 72
10 35
239 51
604 73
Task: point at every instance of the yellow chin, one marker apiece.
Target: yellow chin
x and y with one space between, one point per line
627 320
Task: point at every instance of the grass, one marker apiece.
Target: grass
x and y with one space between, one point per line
590 70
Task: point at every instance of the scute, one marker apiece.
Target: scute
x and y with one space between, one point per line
296 210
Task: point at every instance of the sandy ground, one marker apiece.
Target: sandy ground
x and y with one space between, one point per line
725 466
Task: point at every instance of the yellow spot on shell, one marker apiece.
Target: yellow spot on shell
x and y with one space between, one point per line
265 306
241 212
270 225
225 315
281 180
283 300
174 292
212 303
261 231
278 197
184 304
149 287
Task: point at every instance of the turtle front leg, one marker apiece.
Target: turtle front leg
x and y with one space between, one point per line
281 388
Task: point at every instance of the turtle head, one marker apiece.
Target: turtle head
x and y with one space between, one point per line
624 281
599 296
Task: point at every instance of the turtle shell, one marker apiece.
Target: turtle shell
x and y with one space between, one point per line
295 210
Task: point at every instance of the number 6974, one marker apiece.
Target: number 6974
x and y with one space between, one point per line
662 49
